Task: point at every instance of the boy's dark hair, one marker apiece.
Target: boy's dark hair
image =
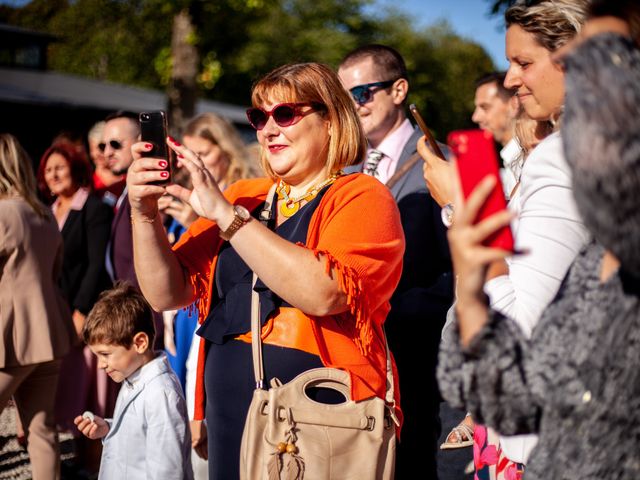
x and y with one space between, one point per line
117 316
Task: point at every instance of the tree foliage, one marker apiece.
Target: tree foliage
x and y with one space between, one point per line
499 6
237 41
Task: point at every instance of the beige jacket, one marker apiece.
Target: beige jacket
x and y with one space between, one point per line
34 319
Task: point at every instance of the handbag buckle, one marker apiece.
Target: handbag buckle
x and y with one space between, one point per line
371 423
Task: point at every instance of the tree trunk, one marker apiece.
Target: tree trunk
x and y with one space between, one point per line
182 91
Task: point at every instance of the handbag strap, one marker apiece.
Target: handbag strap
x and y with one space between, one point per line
402 171
256 338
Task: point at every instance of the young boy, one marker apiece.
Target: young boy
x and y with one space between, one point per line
148 437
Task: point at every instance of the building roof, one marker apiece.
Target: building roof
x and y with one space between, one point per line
53 88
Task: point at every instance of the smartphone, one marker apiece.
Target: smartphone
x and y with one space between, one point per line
423 126
153 130
476 158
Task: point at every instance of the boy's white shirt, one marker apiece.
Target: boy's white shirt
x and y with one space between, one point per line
149 436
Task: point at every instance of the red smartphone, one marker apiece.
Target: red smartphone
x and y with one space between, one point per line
153 129
476 158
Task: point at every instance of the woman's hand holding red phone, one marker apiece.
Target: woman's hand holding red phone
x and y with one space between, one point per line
471 258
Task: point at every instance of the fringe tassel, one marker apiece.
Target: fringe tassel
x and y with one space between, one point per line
295 467
274 466
200 286
351 285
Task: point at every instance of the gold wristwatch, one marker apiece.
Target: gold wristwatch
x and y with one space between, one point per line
241 216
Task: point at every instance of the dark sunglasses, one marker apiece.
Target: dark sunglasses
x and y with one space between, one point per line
115 144
364 93
284 114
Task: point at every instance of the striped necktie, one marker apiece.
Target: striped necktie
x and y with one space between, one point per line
371 164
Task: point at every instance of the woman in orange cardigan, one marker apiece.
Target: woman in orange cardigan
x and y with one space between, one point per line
327 262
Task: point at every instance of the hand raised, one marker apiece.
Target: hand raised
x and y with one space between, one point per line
205 199
143 196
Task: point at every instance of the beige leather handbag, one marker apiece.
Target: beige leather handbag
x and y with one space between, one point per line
287 435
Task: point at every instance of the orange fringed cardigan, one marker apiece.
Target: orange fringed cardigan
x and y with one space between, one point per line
357 230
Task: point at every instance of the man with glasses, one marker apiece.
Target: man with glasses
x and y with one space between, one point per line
121 131
376 77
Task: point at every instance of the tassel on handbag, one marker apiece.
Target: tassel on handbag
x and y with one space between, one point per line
294 469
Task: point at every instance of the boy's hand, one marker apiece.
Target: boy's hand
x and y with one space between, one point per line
199 438
95 429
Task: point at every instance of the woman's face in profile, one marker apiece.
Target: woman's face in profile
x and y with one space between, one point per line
537 80
57 175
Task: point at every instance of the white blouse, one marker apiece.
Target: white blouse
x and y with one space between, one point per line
548 227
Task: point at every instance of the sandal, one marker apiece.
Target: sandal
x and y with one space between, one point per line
463 435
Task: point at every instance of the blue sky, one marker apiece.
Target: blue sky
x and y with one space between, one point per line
468 18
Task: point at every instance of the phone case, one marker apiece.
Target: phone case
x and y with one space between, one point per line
153 130
476 158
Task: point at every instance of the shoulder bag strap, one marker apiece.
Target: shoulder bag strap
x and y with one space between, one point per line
402 171
256 339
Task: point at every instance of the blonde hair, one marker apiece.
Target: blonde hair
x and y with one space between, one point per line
95 133
552 22
530 132
218 131
317 83
16 174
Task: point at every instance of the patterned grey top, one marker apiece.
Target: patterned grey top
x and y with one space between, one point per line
576 382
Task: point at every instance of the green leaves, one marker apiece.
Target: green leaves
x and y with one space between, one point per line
129 41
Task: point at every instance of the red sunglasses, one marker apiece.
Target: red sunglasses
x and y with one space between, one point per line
284 114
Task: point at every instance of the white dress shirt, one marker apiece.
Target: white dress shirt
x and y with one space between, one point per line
392 147
149 436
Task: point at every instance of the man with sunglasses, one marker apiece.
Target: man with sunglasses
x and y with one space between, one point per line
121 130
377 79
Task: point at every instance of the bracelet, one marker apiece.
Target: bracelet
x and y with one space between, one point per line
143 220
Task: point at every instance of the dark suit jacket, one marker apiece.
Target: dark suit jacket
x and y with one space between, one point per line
426 286
122 244
85 234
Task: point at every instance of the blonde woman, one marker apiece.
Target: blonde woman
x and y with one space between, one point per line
547 224
36 324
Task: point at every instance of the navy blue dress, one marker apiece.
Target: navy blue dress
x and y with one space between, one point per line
229 377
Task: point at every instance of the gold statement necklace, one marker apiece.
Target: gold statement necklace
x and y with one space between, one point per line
289 205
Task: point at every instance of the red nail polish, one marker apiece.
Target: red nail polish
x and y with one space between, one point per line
164 174
180 156
163 164
148 146
177 143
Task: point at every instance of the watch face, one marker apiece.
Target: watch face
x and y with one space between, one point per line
243 213
447 214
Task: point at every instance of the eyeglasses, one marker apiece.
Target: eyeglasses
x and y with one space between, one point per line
364 93
284 114
115 144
